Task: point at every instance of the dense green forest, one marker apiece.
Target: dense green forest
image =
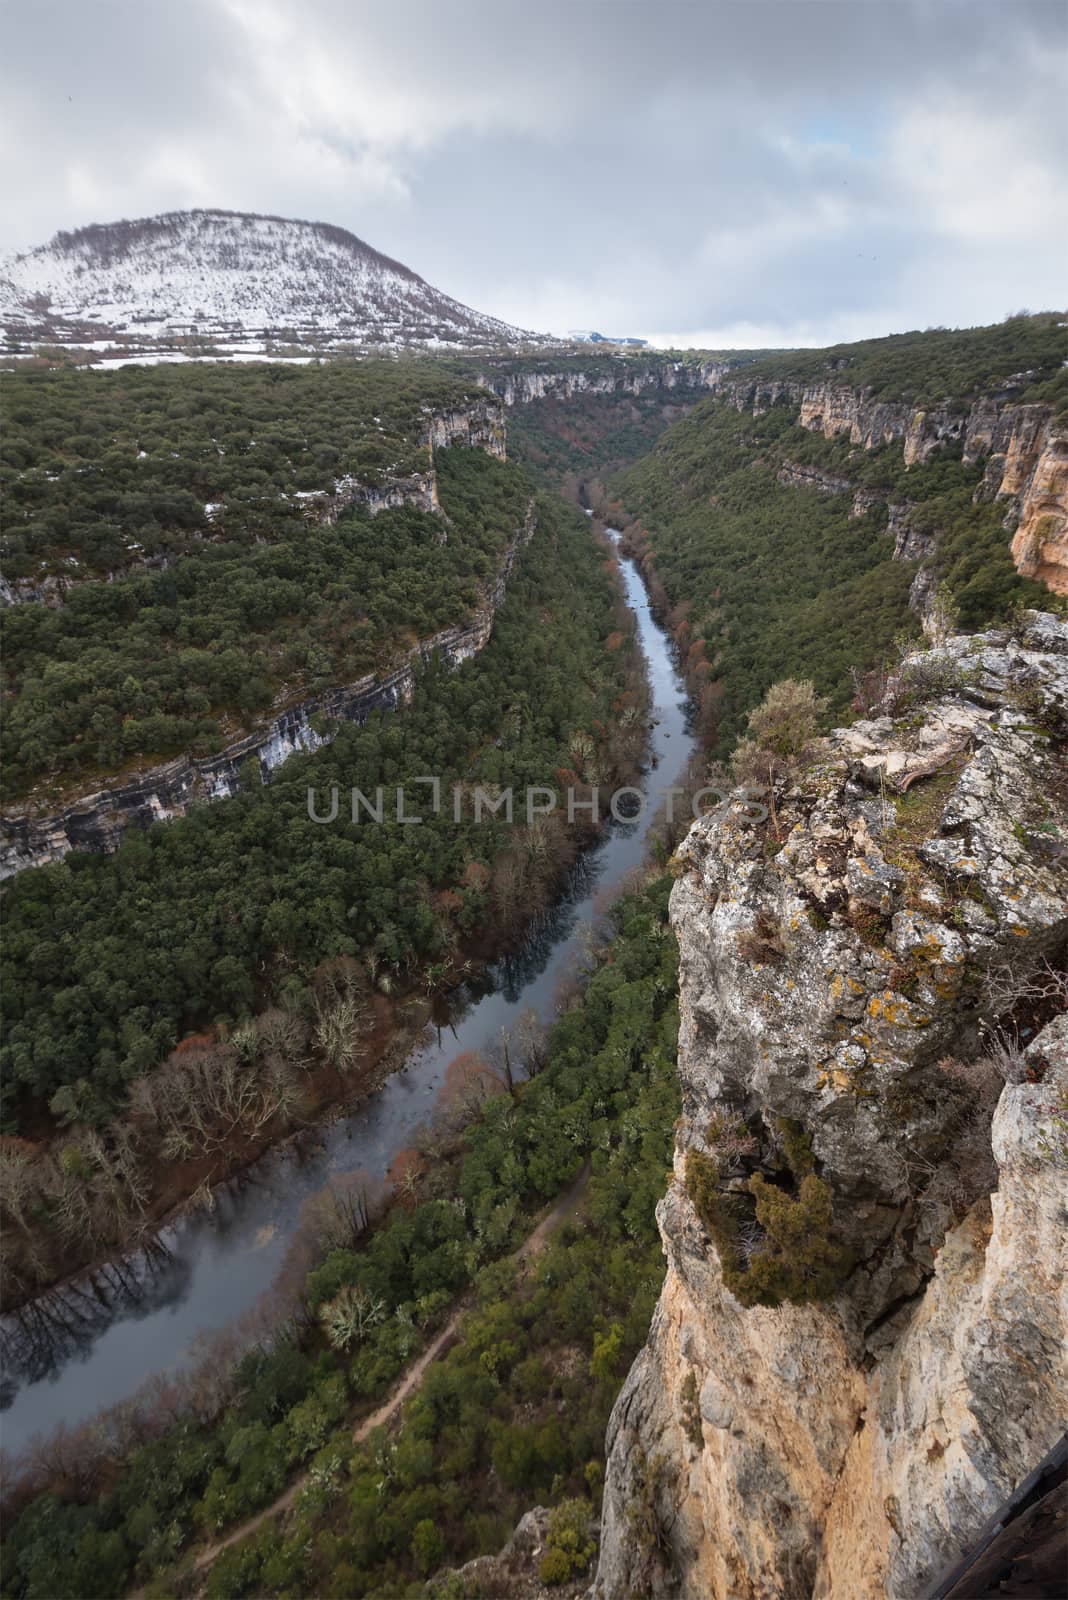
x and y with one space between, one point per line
972 554
514 1415
561 441
109 959
180 660
938 366
113 468
766 580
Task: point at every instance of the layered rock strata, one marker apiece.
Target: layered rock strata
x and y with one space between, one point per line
1024 447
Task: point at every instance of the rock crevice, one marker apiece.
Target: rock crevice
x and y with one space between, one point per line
855 1444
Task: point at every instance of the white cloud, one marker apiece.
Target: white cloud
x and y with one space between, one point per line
799 170
964 166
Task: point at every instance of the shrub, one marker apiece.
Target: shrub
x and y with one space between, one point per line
554 1567
782 731
428 1546
570 1545
798 1259
786 1249
606 1349
691 1411
645 1526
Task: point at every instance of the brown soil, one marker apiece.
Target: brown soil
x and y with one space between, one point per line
387 1412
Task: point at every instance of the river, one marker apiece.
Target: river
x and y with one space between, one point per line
94 1341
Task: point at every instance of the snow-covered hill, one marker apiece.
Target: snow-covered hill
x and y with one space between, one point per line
229 278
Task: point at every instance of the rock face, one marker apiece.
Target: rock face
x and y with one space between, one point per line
98 821
628 376
420 490
854 1444
1025 450
797 476
1040 543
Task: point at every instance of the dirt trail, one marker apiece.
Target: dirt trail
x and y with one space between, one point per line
528 1251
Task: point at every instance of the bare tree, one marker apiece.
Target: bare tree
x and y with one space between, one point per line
350 1316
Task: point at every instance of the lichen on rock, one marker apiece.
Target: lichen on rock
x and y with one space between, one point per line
857 1431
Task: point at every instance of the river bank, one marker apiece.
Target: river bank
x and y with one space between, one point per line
96 1170
399 1022
213 1266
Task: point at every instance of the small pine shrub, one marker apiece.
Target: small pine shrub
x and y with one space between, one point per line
799 1260
788 1250
554 1567
570 1547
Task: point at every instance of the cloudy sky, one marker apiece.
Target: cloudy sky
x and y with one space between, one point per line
756 172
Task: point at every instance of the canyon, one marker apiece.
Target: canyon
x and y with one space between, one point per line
845 1424
1026 456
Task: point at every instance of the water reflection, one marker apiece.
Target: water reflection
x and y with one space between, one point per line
93 1342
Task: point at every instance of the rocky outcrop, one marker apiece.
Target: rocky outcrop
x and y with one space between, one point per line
865 500
1040 542
98 821
419 490
1009 439
513 1574
479 426
626 376
848 1432
796 476
1025 451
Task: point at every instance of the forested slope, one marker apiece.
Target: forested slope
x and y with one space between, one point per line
1023 355
516 1413
236 589
184 659
802 518
116 468
236 908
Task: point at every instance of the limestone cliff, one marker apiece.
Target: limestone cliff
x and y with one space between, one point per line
796 476
1040 543
843 1425
1025 451
624 376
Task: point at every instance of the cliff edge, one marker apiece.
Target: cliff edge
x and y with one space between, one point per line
856 1355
